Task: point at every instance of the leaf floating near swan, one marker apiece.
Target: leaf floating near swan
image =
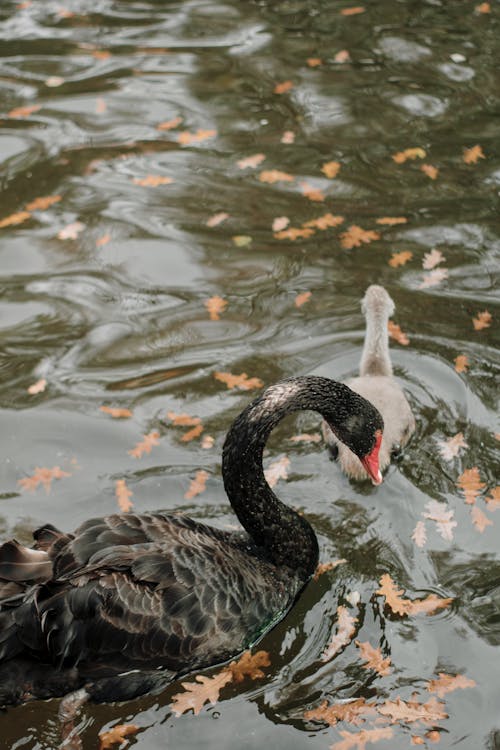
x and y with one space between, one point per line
400 606
42 476
238 381
116 735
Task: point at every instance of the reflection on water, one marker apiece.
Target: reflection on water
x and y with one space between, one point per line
135 116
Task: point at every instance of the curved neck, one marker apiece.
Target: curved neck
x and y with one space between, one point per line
375 358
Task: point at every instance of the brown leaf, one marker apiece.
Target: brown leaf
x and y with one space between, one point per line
359 740
152 180
409 153
352 11
198 484
251 162
399 259
305 437
40 204
433 278
288 137
183 420
401 606
433 735
480 519
313 194
483 8
217 219
238 381
342 56
331 169
192 434
346 627
37 387
470 484
324 222
446 683
116 412
416 740
71 231
169 124
374 659
354 711
103 240
215 306
204 690
249 665
450 448
419 535
482 320
397 334
116 735
409 711
493 500
23 111
145 445
392 221
325 567
432 259
461 363
472 155
14 219
186 138
356 236
302 298
442 517
123 495
293 233
42 476
314 62
242 240
283 87
430 171
277 470
280 223
274 175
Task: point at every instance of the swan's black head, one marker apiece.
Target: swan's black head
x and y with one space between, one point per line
359 425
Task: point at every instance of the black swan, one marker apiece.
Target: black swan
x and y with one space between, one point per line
129 593
376 383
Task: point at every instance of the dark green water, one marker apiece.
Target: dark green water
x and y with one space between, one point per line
116 315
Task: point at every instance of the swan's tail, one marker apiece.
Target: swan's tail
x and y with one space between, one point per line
377 308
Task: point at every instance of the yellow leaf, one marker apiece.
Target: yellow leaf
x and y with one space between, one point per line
280 223
42 476
314 62
313 194
432 259
419 535
204 690
342 56
288 137
293 233
185 138
461 363
447 683
324 222
400 606
346 627
352 11
103 240
483 8
217 219
23 111
374 659
249 665
480 519
302 298
169 124
242 240
397 334
392 221
325 567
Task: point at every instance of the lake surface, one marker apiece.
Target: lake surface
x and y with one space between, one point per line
131 118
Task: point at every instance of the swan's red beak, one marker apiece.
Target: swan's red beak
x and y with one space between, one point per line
370 461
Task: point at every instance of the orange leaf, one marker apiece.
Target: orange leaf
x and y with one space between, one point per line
352 11
410 711
37 387
293 233
185 138
483 8
145 445
451 447
432 259
314 62
325 221
198 484
397 334
40 204
374 659
360 739
277 470
288 137
480 519
354 711
192 434
305 437
42 476
419 535
249 665
402 606
251 162
238 381
115 412
331 169
342 56
356 236
103 240
461 363
345 630
23 111
215 305
470 484
482 320
116 735
280 223
446 683
283 87
13 219
152 180
472 155
409 153
204 690
302 298
274 175
217 219
433 735
183 420
399 259
312 193
430 171
391 221
325 567
123 495
169 124
101 54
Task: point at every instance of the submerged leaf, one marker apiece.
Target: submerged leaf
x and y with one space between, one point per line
450 448
432 259
277 470
145 445
238 381
116 412
331 169
470 484
123 495
346 627
359 740
400 606
41 204
409 153
374 659
446 683
197 485
251 162
43 476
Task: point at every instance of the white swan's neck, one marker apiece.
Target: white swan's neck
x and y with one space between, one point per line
377 307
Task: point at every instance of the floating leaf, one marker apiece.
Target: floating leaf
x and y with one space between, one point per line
374 659
419 535
442 517
356 236
288 137
480 519
217 219
331 169
14 219
169 124
392 221
251 162
450 448
280 223
325 567
277 470
461 363
183 420
430 171
23 111
346 627
470 484
123 495
116 735
116 412
204 690
71 231
302 298
434 278
354 711
432 259
192 434
359 740
399 259
215 306
54 81
306 437
37 387
249 665
274 175
401 606
238 381
409 153
197 485
482 320
103 240
446 683
409 711
153 180
242 240
293 233
41 204
207 442
483 8
342 56
186 138
42 476
314 62
472 155
352 11
311 193
283 87
397 334
324 222
145 445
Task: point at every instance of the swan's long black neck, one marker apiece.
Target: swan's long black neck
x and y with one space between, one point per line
284 536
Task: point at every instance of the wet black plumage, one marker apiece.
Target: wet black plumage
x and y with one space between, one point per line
159 589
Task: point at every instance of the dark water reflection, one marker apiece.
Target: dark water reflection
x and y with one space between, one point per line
117 315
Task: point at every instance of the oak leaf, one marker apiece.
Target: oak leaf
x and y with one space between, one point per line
392 221
153 180
116 412
116 735
204 690
470 484
288 137
37 387
346 627
185 138
71 231
472 155
238 381
197 485
399 259
419 535
446 683
23 111
374 659
215 306
409 153
450 448
352 11
283 87
275 175
397 334
251 162
432 259
249 665
325 567
216 219
410 711
355 712
293 233
433 278
277 470
123 495
43 476
431 171
400 606
482 320
331 169
480 519
356 236
302 298
192 434
324 222
442 517
14 219
312 193
280 223
461 363
40 204
145 445
360 739
169 124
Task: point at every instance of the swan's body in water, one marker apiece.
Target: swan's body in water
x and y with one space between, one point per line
137 592
377 384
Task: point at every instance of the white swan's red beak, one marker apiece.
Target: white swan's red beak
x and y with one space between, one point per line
370 461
